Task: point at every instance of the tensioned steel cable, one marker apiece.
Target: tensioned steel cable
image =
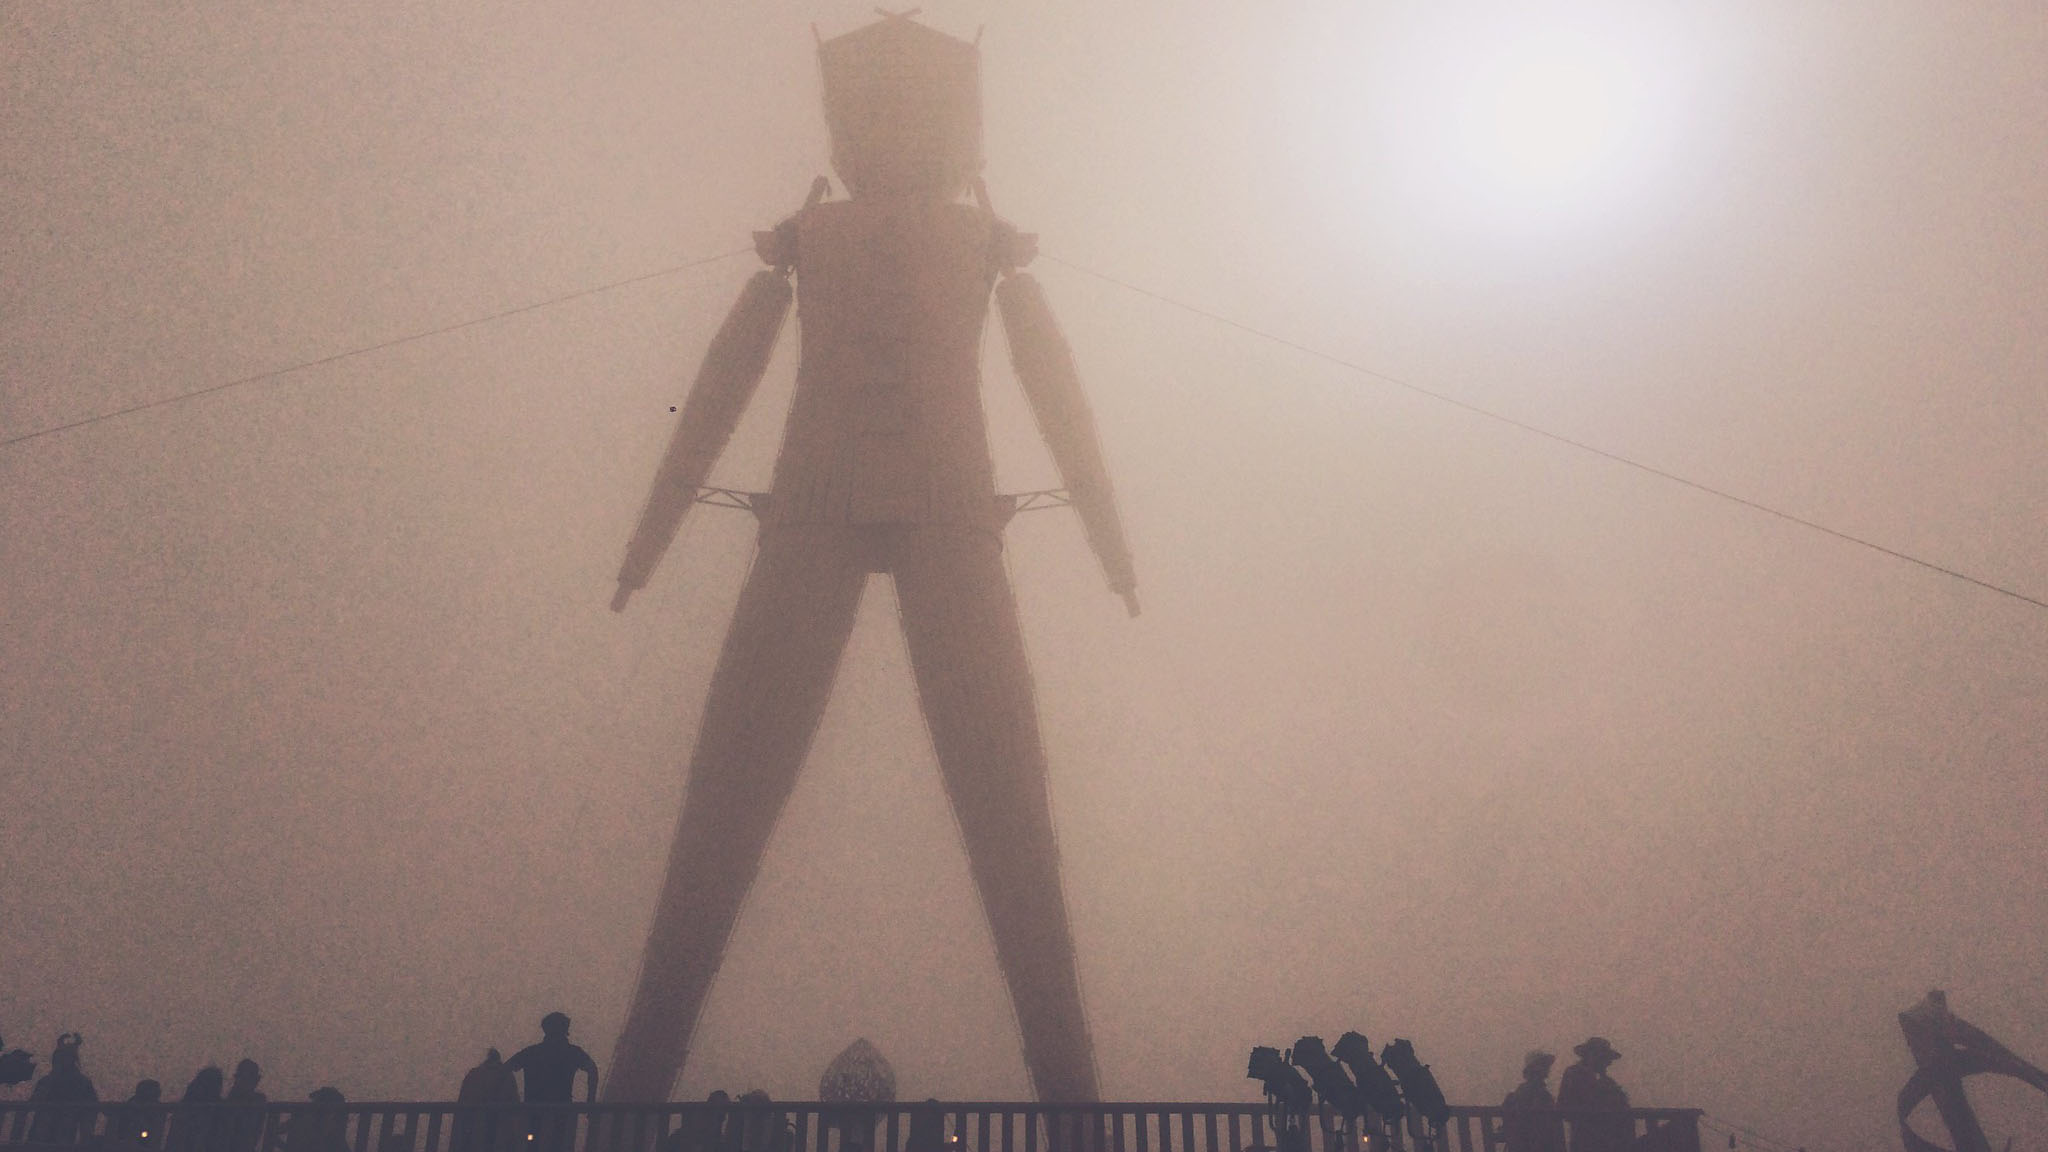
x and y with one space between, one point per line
1352 366
1560 438
275 373
1745 1135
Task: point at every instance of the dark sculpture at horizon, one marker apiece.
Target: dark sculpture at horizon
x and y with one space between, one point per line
1946 1048
884 468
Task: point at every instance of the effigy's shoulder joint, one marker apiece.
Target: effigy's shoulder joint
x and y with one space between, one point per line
777 247
1010 249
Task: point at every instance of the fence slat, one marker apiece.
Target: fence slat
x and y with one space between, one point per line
784 1127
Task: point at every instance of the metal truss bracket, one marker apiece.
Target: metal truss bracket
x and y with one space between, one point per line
733 498
1009 504
1037 501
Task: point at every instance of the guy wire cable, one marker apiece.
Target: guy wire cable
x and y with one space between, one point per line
274 373
1560 438
1650 469
1746 1135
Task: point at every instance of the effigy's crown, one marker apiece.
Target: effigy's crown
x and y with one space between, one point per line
903 105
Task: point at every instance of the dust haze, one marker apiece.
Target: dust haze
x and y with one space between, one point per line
321 747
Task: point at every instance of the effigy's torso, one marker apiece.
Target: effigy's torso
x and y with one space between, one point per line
887 426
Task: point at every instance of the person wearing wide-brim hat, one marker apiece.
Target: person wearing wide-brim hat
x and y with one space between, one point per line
1529 1123
1586 1087
1597 1050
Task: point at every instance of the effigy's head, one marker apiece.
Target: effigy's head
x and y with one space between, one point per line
903 104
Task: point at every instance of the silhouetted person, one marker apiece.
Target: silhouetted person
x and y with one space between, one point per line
1531 1123
70 1094
927 1129
1586 1087
549 1069
207 1086
243 1090
320 1127
141 1120
245 1125
198 1129
705 1132
485 1124
491 1082
760 1126
16 1067
550 1066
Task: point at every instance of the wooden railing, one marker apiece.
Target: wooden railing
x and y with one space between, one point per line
779 1127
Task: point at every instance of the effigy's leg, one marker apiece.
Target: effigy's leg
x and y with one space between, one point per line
767 695
960 623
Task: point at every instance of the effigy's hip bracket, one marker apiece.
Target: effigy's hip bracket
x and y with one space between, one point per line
1007 505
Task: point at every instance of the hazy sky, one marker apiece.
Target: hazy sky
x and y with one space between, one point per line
320 746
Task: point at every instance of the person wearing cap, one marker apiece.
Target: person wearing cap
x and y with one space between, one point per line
1530 1123
551 1065
1586 1087
550 1069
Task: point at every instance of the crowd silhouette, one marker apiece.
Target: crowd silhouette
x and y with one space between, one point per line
494 1110
68 1104
502 1105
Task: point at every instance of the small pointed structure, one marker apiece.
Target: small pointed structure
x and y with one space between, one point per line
860 1074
